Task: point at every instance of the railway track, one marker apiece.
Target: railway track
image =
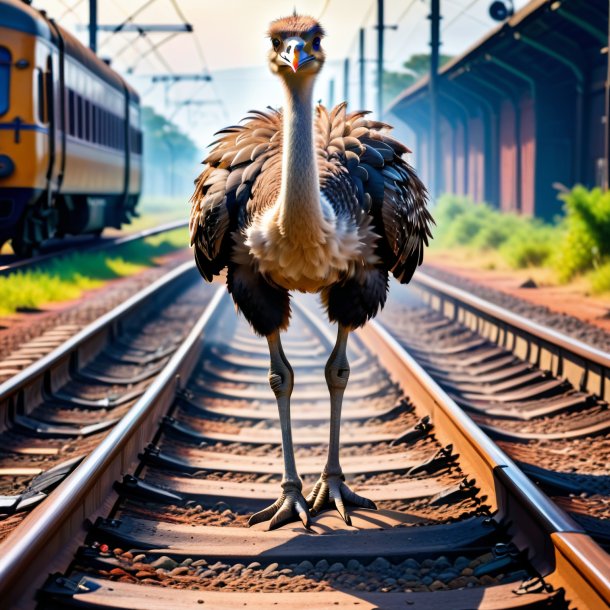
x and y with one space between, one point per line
11 264
57 410
540 394
156 508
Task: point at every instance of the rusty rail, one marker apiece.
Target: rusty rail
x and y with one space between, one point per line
92 246
31 551
586 367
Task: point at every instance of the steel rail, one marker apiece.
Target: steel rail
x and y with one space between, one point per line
93 246
576 563
54 368
586 367
29 552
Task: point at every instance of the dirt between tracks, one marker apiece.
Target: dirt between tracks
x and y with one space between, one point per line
564 308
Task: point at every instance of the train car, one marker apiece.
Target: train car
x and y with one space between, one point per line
70 136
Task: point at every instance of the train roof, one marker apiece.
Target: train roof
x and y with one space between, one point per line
18 15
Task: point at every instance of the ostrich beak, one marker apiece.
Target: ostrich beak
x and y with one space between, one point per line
294 55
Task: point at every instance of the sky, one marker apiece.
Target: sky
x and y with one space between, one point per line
229 43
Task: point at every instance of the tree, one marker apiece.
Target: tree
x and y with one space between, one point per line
418 65
171 158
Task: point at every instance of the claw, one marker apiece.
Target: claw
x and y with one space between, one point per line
290 504
331 489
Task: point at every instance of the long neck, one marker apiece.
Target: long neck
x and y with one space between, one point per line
300 189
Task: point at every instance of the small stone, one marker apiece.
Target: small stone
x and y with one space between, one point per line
486 579
246 572
413 582
254 565
118 572
127 555
461 562
389 581
411 563
303 567
427 563
354 565
237 567
447 576
187 562
118 551
529 283
380 564
272 567
140 557
199 562
179 570
442 562
467 571
208 574
458 583
436 585
165 563
286 572
219 566
190 503
336 567
322 565
427 580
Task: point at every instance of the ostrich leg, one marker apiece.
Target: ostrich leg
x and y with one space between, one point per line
331 485
291 502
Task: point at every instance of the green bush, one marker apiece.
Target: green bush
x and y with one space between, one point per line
600 279
531 245
586 232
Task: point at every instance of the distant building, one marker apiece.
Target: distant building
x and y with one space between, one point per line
521 110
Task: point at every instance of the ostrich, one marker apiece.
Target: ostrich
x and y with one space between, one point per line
320 203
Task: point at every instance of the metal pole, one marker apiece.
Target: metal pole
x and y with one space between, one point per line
331 93
93 25
380 30
362 72
346 80
435 162
606 176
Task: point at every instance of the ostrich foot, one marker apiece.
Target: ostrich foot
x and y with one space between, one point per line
290 506
331 490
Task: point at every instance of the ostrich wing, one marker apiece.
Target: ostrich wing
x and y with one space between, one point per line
358 157
224 190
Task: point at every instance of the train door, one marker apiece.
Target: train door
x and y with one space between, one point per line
39 221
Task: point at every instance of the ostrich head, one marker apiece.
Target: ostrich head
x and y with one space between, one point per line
296 52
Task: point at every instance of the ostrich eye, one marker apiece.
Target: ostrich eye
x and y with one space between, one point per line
276 43
316 43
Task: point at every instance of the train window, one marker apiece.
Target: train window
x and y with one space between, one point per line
87 120
5 79
71 113
81 116
94 137
42 115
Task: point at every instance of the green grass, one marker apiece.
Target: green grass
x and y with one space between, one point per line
67 278
577 245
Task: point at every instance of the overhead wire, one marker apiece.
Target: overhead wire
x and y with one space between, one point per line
469 15
464 10
154 49
69 9
127 20
202 59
